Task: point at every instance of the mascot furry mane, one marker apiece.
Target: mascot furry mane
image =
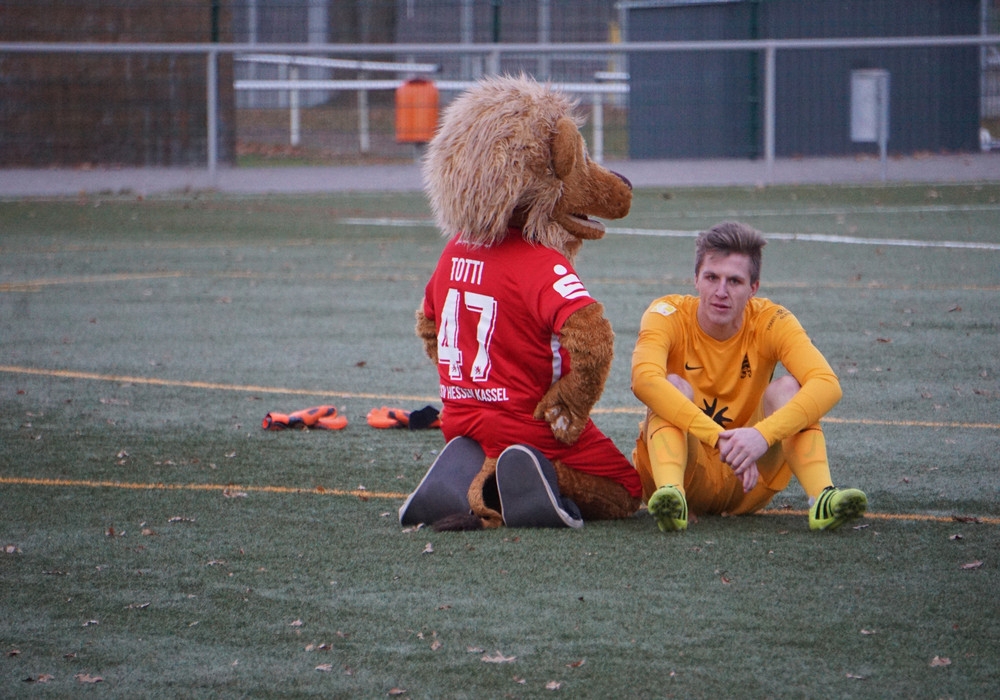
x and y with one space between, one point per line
519 141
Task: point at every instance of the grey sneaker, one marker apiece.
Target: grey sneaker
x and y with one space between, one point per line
444 490
529 491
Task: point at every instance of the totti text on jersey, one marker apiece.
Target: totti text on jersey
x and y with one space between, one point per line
485 395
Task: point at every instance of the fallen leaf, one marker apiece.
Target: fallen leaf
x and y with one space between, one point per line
436 645
14 652
956 307
940 661
295 623
576 664
87 678
428 549
497 658
519 680
11 549
955 537
883 340
325 668
553 685
972 565
966 519
396 691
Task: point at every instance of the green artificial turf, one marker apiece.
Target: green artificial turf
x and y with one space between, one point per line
155 537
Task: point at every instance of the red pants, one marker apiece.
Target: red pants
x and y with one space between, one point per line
594 453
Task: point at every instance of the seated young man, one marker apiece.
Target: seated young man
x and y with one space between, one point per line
721 434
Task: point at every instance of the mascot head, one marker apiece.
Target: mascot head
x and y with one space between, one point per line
508 153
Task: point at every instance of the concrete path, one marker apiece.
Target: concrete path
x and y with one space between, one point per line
16 183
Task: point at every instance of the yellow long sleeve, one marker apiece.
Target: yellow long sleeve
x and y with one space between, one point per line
729 377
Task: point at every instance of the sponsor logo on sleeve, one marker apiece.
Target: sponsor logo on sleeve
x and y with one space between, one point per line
568 285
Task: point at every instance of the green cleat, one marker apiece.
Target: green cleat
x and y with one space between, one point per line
834 507
670 509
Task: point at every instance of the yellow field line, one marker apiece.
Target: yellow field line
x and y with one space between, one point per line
249 388
921 517
225 488
252 388
846 421
35 285
237 490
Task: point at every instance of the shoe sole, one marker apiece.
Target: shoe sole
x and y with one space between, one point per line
527 499
667 509
444 490
851 505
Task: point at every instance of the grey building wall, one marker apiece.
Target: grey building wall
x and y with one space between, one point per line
710 104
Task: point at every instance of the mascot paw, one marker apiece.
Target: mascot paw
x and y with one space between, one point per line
565 429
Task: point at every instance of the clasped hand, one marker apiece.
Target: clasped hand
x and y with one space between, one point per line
740 448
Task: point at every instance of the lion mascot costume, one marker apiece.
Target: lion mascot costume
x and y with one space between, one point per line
522 349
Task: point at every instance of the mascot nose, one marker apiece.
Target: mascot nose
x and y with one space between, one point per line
622 178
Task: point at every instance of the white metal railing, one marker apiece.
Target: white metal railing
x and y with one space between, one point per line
293 85
493 52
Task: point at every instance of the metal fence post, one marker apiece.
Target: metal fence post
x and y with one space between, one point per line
769 95
598 123
212 78
294 115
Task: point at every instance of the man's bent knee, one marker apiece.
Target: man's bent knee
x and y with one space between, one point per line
682 385
779 392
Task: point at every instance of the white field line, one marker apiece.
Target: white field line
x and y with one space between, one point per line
820 238
676 233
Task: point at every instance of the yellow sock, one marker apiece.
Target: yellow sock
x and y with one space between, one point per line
805 453
668 453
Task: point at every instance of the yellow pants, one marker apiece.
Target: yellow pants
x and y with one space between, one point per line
710 486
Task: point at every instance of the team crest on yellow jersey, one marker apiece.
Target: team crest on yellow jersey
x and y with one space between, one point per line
663 308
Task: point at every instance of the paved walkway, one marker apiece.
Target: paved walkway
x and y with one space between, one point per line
15 183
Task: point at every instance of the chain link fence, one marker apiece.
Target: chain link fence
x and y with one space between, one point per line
317 80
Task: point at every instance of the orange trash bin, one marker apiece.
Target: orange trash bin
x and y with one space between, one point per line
416 111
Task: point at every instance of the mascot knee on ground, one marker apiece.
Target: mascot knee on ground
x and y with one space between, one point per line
522 349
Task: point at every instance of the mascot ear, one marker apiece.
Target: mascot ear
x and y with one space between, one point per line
565 147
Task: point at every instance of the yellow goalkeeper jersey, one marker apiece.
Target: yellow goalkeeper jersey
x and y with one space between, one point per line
729 377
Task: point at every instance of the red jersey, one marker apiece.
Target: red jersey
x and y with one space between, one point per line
498 311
